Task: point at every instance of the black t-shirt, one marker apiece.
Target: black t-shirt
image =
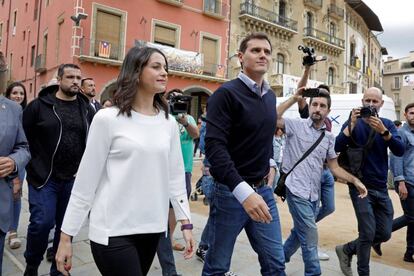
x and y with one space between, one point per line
72 141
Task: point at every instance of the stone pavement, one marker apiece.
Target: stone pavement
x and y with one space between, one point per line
244 261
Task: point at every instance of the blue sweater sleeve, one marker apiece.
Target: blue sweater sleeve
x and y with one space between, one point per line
395 144
342 141
219 124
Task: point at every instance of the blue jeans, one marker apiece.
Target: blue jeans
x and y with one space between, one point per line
374 214
304 232
17 206
165 255
407 219
228 218
327 196
2 240
47 207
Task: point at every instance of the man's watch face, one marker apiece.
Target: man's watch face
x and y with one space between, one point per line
385 133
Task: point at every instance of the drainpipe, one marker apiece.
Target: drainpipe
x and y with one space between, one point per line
37 47
228 40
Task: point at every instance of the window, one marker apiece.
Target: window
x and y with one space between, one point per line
309 23
352 54
21 61
282 12
332 30
165 35
24 35
363 63
396 83
108 35
44 51
14 23
280 64
35 11
209 49
58 39
352 88
32 55
331 76
26 7
1 31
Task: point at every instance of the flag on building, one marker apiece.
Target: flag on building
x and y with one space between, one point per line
104 49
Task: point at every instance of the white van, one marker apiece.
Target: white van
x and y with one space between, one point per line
342 106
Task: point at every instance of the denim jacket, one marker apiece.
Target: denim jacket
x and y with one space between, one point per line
402 167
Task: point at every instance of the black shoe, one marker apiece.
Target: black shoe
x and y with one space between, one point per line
377 248
201 253
50 254
408 258
30 271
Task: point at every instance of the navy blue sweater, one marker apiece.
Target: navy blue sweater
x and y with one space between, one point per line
240 129
375 168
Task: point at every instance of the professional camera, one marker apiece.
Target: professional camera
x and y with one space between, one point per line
367 111
179 104
310 58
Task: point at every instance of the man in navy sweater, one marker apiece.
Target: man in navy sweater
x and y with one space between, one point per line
374 212
240 126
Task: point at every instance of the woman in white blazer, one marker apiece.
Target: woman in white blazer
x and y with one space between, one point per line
132 167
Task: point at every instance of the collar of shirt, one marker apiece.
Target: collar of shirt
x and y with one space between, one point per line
253 86
310 124
407 128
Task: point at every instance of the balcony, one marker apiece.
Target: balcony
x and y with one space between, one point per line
188 64
215 9
316 4
98 51
336 12
177 3
323 41
267 21
40 64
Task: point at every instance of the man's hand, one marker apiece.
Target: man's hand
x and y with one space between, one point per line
17 188
376 124
402 190
7 166
363 192
182 119
271 176
257 209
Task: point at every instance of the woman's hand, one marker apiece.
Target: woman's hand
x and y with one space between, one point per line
189 244
64 254
17 188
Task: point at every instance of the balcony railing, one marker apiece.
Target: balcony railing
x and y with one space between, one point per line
215 8
272 17
313 3
40 64
325 37
336 11
100 49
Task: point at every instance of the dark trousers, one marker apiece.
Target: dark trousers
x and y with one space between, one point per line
47 207
2 240
126 255
374 214
407 219
166 256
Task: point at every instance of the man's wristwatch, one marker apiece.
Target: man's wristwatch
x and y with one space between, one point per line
385 133
188 226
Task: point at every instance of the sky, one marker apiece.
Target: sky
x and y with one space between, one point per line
397 20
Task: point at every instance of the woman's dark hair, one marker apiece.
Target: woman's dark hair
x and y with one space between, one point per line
10 89
128 80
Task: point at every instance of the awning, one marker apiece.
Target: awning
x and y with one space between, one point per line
370 18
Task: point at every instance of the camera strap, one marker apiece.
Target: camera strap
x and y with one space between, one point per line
307 152
370 140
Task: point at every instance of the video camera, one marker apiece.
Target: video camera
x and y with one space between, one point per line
310 58
367 111
179 104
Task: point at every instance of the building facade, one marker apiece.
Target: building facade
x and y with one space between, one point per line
398 82
37 36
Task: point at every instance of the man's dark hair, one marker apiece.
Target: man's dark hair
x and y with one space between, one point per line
324 86
63 66
323 93
397 123
128 80
258 35
85 79
408 106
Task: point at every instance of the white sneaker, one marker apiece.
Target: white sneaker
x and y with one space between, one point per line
322 255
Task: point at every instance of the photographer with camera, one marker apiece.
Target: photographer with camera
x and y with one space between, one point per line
327 195
366 140
178 107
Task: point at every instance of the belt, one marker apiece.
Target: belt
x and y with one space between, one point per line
258 184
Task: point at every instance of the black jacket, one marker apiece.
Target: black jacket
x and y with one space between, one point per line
43 130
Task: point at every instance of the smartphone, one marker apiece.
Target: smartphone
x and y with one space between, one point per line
311 92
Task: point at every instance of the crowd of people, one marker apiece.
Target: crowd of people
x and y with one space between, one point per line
125 165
